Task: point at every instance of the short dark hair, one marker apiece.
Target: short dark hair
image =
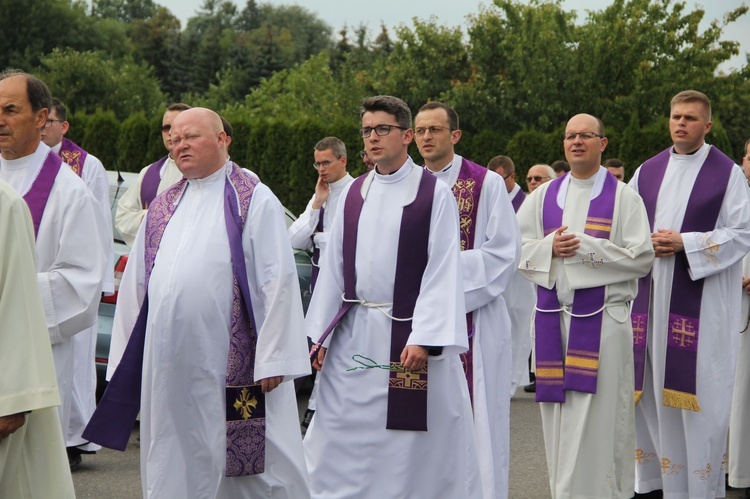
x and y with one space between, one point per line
502 162
36 90
60 110
614 163
688 96
389 104
335 144
227 127
452 115
560 166
177 106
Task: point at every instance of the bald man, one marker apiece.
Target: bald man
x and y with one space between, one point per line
586 241
211 277
538 175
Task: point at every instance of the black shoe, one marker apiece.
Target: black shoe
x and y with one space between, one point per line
530 388
74 458
307 419
747 493
654 494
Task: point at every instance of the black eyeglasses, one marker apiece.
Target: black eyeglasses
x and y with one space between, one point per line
508 175
362 154
536 178
380 130
166 128
583 135
49 122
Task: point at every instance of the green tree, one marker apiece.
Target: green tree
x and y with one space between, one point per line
101 136
132 143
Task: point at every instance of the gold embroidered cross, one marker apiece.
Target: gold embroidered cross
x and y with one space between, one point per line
528 265
683 332
245 404
408 377
592 262
639 330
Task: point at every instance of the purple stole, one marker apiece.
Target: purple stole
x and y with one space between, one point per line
467 189
316 253
580 369
115 415
73 155
701 215
150 183
518 200
36 198
407 390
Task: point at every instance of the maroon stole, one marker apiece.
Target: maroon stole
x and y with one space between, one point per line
467 190
150 182
518 200
38 194
407 390
701 215
73 155
580 370
113 419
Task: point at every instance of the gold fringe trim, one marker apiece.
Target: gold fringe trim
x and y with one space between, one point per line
680 400
638 395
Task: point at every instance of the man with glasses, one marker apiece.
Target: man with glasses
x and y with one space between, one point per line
390 284
739 421
153 180
90 169
370 164
585 244
538 175
688 308
311 230
490 244
68 224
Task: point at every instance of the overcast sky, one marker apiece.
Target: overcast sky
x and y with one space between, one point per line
453 12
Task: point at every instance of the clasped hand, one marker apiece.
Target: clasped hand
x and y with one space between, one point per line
564 245
667 243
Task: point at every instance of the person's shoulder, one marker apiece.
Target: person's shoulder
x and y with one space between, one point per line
69 183
8 194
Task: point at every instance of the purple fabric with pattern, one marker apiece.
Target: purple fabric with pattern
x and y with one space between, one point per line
38 194
701 215
150 182
580 369
73 155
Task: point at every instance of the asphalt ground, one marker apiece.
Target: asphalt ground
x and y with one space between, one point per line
115 475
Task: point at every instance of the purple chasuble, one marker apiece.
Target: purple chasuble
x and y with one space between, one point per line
518 200
115 415
315 260
580 370
701 215
150 182
467 190
407 390
38 194
73 155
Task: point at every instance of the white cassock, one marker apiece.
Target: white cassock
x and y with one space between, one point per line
33 463
303 236
684 452
739 421
84 343
183 420
130 212
520 298
590 438
487 271
70 261
348 450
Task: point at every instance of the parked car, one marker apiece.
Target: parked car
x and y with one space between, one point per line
118 184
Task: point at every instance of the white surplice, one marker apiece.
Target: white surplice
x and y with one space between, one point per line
183 425
520 298
70 261
590 438
487 270
33 463
349 451
681 451
739 421
83 402
130 212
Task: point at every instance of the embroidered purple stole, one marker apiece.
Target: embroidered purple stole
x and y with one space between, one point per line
73 155
701 215
316 253
115 415
150 182
467 189
407 390
38 194
580 369
518 200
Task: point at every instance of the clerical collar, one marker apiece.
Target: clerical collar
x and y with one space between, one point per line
57 147
688 153
32 159
398 175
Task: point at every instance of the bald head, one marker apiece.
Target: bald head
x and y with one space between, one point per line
584 143
199 142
